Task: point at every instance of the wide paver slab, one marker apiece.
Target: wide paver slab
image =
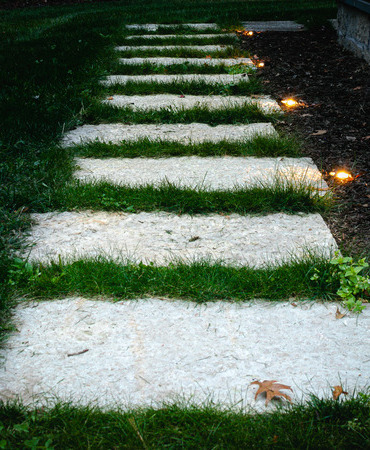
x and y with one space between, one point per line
185 78
200 48
276 25
161 238
155 26
183 133
221 173
149 351
181 102
169 61
182 36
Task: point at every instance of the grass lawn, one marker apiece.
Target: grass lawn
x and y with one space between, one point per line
52 60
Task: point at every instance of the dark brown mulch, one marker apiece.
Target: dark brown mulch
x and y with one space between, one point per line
334 85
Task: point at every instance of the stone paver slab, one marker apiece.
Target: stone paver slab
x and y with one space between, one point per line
169 101
185 78
145 352
276 25
184 133
155 26
169 61
182 36
161 238
200 48
208 173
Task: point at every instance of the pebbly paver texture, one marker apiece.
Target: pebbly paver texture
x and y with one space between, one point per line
169 61
161 238
276 25
184 78
150 351
156 26
209 173
200 48
170 101
182 36
184 133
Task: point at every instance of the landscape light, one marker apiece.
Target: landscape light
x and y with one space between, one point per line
290 102
261 64
342 175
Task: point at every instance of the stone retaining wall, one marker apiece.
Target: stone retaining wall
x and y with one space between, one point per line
354 26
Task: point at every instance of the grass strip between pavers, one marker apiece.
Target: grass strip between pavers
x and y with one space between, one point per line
177 69
247 113
198 40
282 197
260 146
321 423
253 86
183 52
337 424
200 281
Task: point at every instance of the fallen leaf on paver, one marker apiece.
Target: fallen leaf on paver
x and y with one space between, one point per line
338 314
319 132
272 389
338 390
110 98
209 57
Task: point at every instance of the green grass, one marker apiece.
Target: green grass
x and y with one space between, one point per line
219 40
260 146
282 197
321 424
244 114
173 69
183 52
253 86
200 281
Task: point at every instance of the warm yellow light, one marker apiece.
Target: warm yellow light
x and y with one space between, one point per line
342 175
261 64
289 102
332 174
249 33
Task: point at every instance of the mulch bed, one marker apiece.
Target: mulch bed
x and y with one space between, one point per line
333 120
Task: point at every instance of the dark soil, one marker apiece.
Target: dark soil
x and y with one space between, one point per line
333 86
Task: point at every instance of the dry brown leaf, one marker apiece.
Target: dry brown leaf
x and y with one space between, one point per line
110 98
357 88
209 57
272 389
338 314
338 390
319 132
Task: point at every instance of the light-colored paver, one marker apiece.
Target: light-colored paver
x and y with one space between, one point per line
170 101
184 133
156 26
199 48
146 352
276 25
182 36
185 78
169 61
208 173
161 238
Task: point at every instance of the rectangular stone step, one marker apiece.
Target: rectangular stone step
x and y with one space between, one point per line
200 48
144 352
161 238
169 61
209 173
182 36
223 79
155 26
183 102
184 133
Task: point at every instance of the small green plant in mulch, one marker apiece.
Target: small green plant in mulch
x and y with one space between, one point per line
353 288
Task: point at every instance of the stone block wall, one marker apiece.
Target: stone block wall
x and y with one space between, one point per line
354 26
